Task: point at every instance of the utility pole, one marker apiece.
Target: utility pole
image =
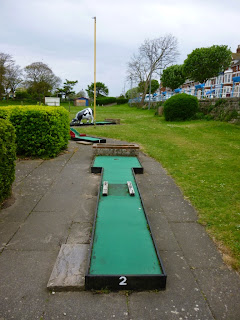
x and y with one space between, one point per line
94 70
131 92
150 83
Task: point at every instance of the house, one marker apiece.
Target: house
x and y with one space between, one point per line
81 101
226 84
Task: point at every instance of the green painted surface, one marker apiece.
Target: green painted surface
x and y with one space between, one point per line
103 122
89 138
122 243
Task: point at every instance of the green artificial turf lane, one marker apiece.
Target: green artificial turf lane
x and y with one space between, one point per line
122 243
89 138
103 122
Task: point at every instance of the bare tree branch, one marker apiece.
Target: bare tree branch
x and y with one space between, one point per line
152 55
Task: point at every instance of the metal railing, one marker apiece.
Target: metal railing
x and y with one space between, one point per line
199 91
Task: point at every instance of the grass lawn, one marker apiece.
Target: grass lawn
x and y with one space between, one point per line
203 158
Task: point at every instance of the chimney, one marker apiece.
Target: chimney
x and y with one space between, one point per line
238 49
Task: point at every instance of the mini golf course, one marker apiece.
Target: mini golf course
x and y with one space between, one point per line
98 123
123 255
76 136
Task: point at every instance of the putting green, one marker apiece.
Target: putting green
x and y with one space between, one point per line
122 242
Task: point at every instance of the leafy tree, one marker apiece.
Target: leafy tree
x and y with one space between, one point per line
40 80
173 77
13 78
154 86
67 89
153 55
6 62
205 63
101 90
132 93
81 93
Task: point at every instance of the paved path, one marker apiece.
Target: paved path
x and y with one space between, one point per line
54 204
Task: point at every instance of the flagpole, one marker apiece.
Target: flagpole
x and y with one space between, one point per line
94 70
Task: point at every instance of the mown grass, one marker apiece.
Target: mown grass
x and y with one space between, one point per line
202 157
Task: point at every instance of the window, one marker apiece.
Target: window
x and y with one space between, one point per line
219 79
228 78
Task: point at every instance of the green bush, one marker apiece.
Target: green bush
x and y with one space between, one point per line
122 100
105 100
180 107
7 158
40 131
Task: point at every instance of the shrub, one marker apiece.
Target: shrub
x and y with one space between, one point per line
40 131
7 158
122 100
180 107
105 100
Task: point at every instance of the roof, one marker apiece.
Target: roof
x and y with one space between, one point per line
236 56
82 98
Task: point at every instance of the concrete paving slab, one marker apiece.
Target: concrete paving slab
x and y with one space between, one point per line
171 306
86 305
83 156
57 202
150 165
41 231
24 168
198 248
86 208
175 207
80 233
7 231
32 185
178 209
160 186
24 277
182 298
69 269
20 209
162 233
73 183
221 287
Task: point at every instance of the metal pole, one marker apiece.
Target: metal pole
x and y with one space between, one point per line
131 93
150 82
94 70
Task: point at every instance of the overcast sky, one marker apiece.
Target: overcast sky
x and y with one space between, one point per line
60 33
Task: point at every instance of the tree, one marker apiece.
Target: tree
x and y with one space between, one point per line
67 89
101 90
152 55
154 86
40 80
132 93
81 93
13 78
205 63
173 77
6 62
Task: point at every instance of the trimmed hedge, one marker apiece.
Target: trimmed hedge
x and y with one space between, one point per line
41 131
7 158
180 107
105 100
122 100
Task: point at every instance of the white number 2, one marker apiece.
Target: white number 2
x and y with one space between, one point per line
123 282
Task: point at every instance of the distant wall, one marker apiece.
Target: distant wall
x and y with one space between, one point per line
227 109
